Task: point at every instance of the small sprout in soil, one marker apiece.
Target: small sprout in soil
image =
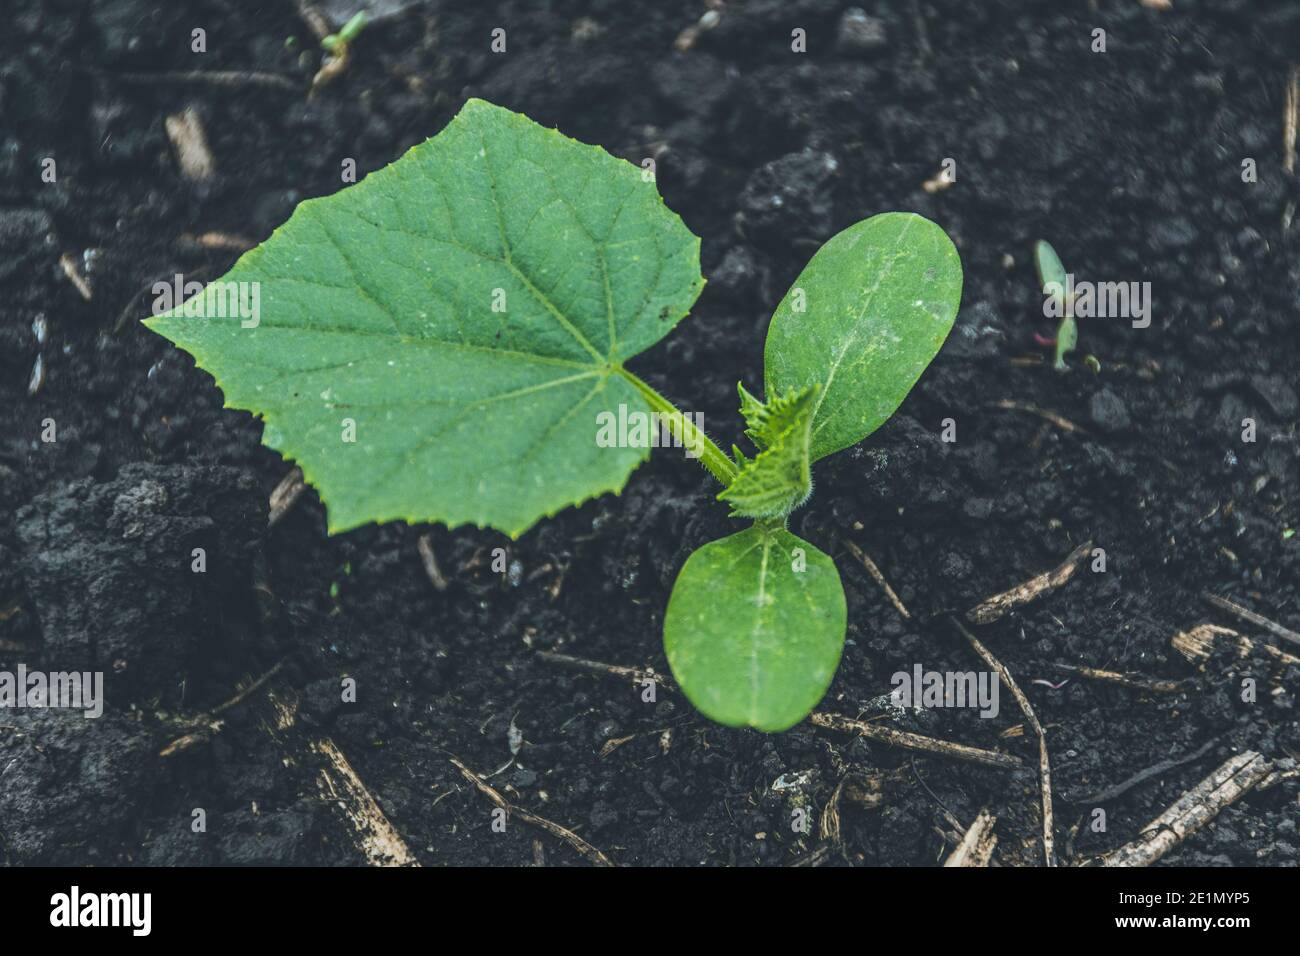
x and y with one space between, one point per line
339 47
441 342
1052 278
350 31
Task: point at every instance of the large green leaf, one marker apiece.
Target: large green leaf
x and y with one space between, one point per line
863 320
377 305
755 627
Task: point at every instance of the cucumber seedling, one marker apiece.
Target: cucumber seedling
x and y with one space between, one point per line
1054 282
439 341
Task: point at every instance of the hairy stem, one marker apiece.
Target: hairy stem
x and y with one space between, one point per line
683 429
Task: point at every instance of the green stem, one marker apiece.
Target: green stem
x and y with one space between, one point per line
711 456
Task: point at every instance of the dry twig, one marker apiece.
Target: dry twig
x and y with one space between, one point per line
1044 764
315 20
1193 810
1135 681
568 836
274 81
1142 776
917 742
129 310
635 674
1059 421
203 727
829 826
874 571
1259 620
816 857
1000 605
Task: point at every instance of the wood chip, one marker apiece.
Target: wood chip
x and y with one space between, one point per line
373 834
1279 775
1197 644
185 130
866 790
1290 118
430 561
691 35
284 496
976 847
225 241
937 183
829 825
379 840
69 267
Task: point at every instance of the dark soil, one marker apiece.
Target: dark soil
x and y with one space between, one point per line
1128 161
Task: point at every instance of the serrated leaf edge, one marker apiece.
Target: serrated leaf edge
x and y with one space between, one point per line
609 368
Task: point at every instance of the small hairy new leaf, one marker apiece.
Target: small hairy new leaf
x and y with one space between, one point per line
468 310
863 320
755 627
779 478
752 411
